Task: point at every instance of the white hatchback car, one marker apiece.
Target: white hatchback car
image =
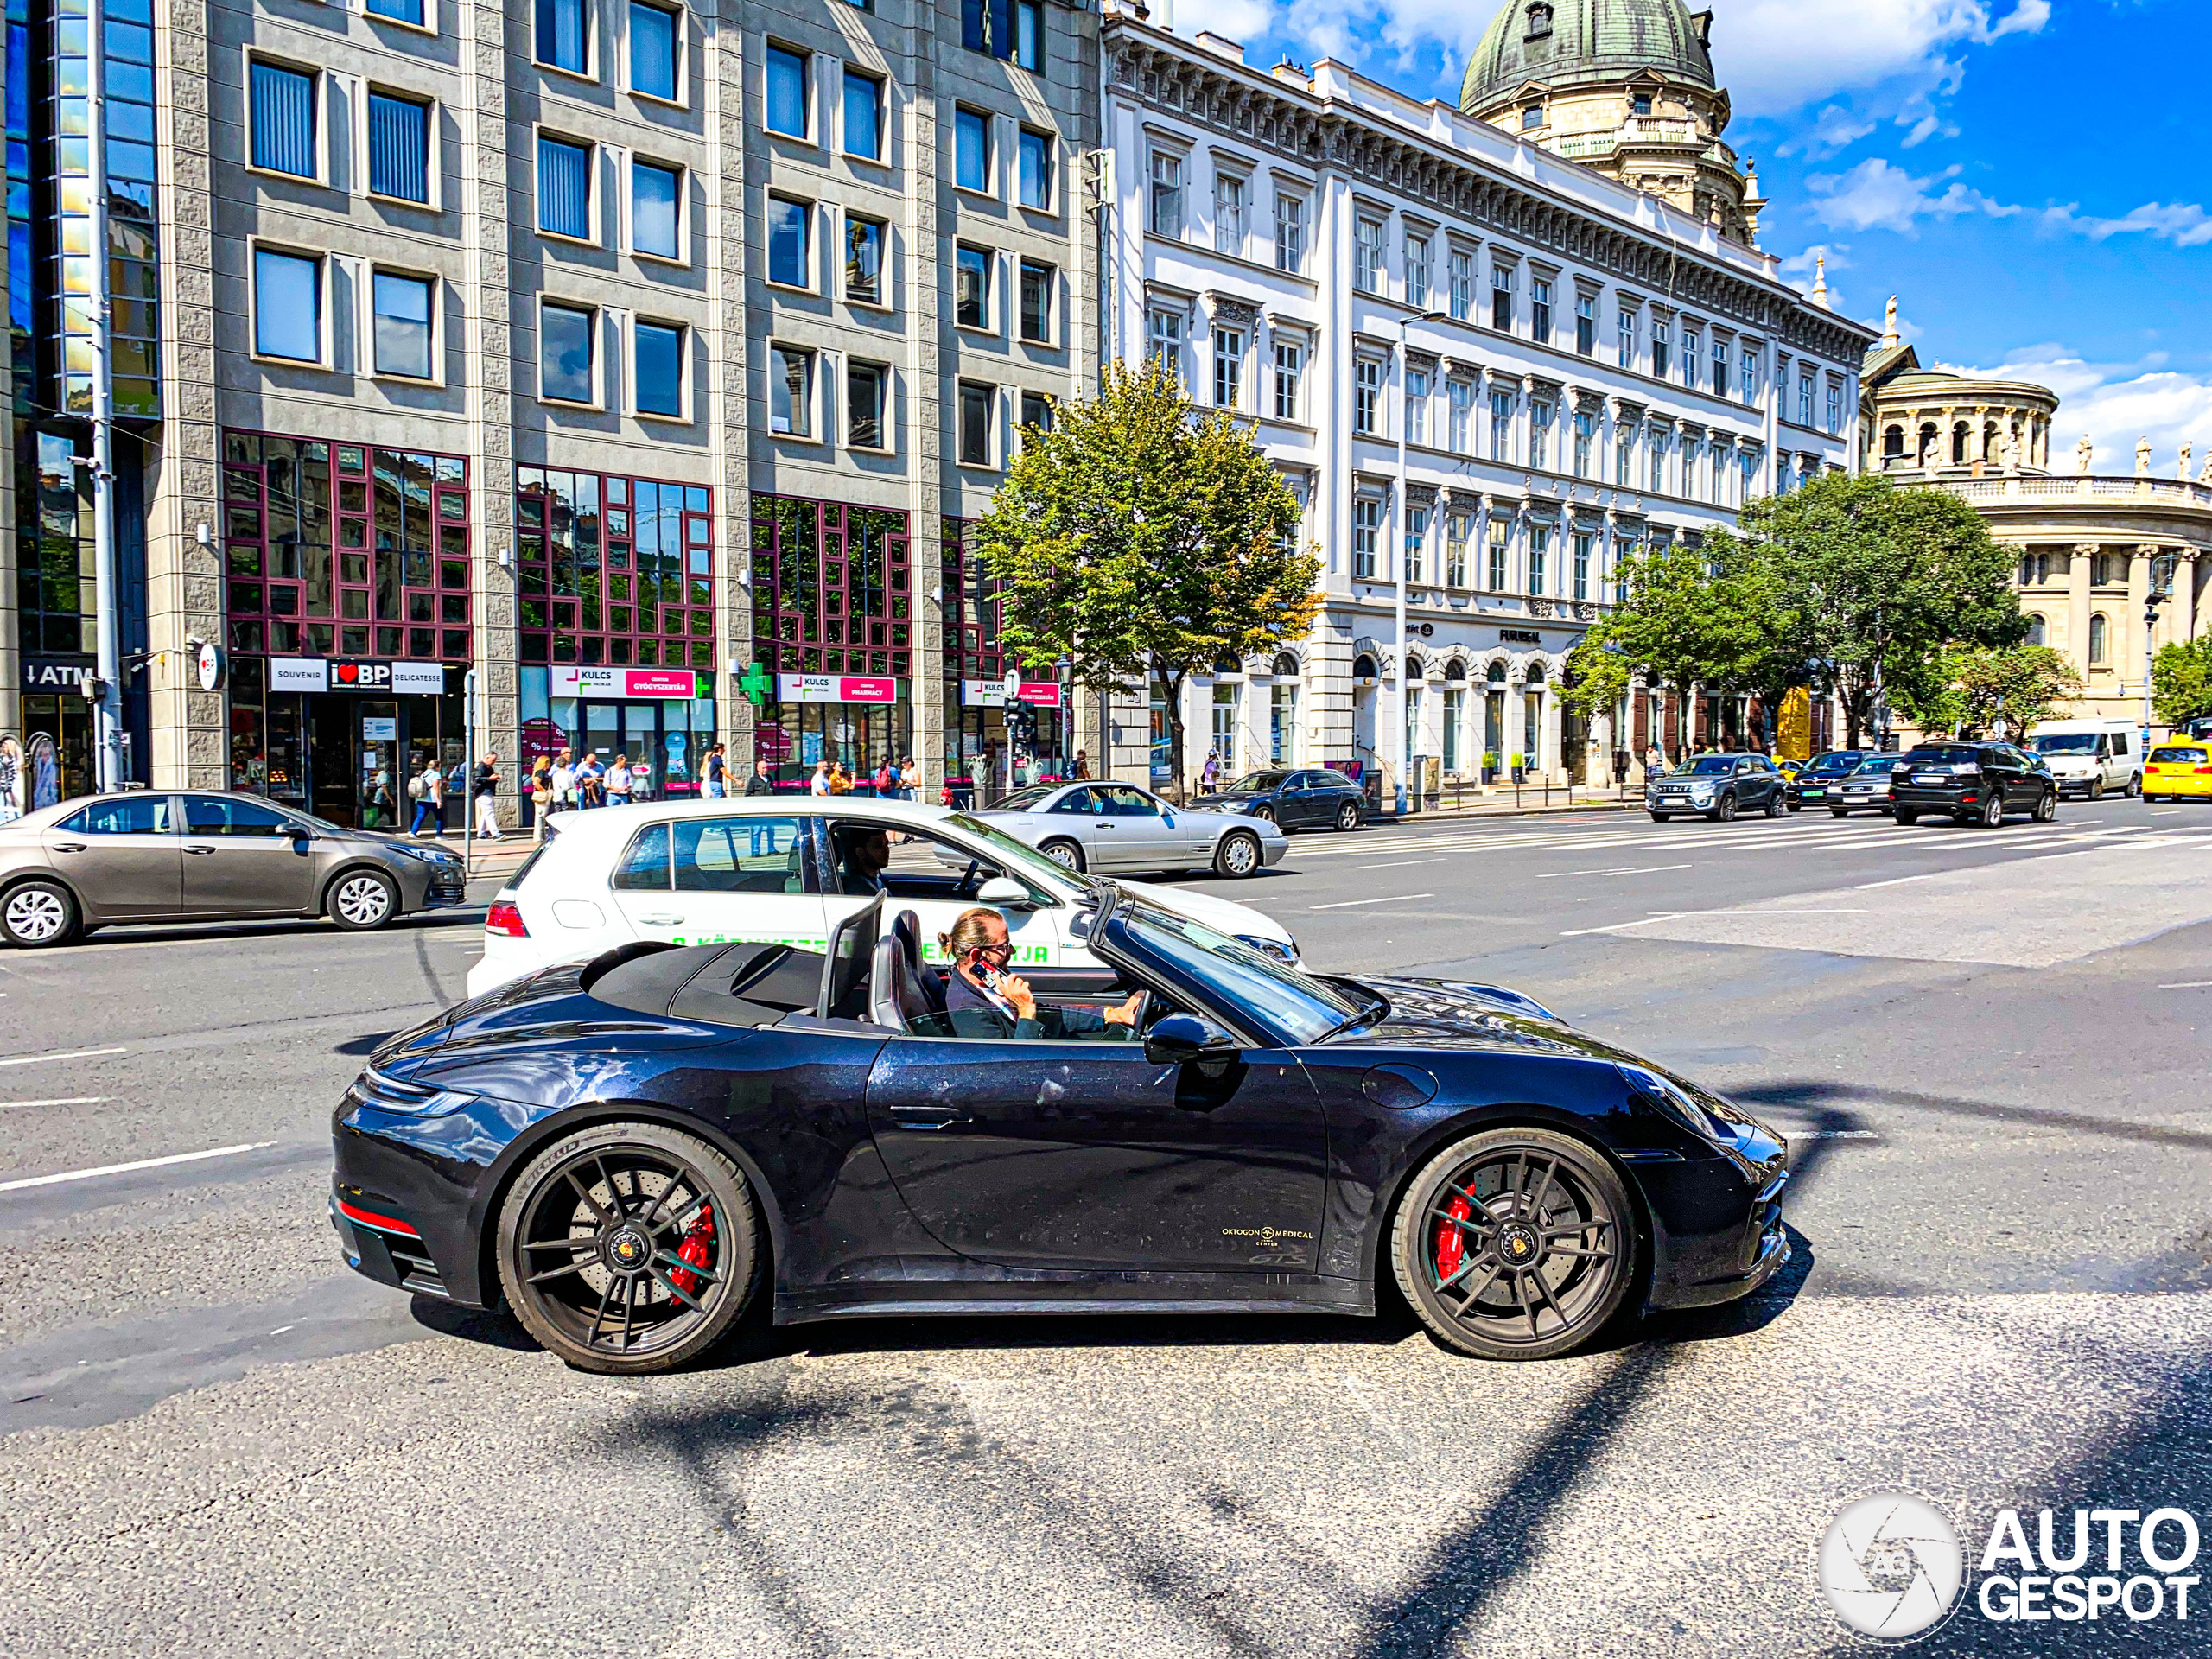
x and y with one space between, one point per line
784 869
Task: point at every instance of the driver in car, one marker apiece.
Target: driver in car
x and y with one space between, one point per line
983 1000
867 854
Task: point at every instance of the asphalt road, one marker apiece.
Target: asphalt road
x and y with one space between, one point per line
1988 1048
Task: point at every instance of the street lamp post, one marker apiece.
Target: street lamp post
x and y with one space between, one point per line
2161 588
1402 741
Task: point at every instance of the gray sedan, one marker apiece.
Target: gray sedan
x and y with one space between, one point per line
1118 828
152 856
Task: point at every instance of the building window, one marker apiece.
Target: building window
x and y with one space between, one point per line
657 366
864 115
655 40
2036 631
1720 368
1640 103
1586 441
1037 411
401 308
1290 232
400 11
1229 196
1532 117
287 306
790 391
1540 310
615 570
972 288
565 366
1417 406
1586 324
2100 639
1459 434
1164 343
1416 545
1660 332
1805 399
1747 467
2034 569
2104 570
1036 182
1691 345
1501 424
1581 544
563 187
1540 542
1455 550
833 591
1367 257
1289 363
971 150
284 121
864 260
975 406
865 385
1036 303
1166 217
1624 339
1417 271
562 39
787 93
1747 378
1835 408
1500 534
399 148
1540 436
790 230
655 209
1462 269
1656 456
1623 453
1228 367
1367 393
1366 534
1501 298
1029 35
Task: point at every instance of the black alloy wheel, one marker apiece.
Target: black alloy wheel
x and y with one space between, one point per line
1517 1243
1348 816
1064 852
1238 854
39 912
1723 809
629 1248
1774 806
2047 806
1992 810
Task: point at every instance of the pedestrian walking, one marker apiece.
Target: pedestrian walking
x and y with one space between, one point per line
717 774
426 790
1653 761
483 788
616 782
887 780
910 779
379 793
1210 774
1081 773
541 794
819 784
760 783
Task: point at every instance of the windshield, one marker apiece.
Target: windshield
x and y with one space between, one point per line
1942 755
1026 800
1881 763
2178 757
1257 783
1710 765
2067 743
1018 856
1294 1006
1834 765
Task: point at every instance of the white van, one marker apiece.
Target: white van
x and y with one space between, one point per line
2088 757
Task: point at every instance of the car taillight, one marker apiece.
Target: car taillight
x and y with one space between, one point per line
505 920
2204 771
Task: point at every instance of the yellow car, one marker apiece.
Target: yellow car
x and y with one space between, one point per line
2178 769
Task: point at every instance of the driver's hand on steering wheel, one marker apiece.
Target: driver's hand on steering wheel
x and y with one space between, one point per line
1123 1014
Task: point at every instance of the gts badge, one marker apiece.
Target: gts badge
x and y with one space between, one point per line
1270 1238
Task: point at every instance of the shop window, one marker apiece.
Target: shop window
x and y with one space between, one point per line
832 588
614 570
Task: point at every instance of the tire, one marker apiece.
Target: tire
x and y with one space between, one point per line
362 900
1064 852
1839 811
1583 1244
572 1197
1348 816
1723 809
1992 810
1238 854
2047 806
40 913
1907 814
2134 785
1264 814
2096 789
1774 806
1796 806
1661 817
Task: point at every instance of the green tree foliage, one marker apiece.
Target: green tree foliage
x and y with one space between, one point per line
1142 537
2181 682
1977 689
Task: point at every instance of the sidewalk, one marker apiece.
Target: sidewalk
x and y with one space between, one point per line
1503 806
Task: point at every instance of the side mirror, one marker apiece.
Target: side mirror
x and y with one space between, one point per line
1180 1038
301 839
1004 892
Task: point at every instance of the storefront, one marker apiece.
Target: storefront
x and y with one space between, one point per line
850 720
1005 734
340 737
56 760
655 715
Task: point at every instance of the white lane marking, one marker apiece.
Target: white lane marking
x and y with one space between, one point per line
1832 1135
61 1100
1754 912
2187 985
74 1054
280 1330
126 1169
1406 864
2164 811
1624 869
1396 898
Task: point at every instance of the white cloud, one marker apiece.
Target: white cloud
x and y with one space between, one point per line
2116 404
1247 21
1778 56
2184 224
1878 196
1833 129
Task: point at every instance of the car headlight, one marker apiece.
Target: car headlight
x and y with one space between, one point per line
1275 948
390 1094
1673 1099
427 854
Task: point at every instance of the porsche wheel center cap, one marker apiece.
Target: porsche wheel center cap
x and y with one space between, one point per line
626 1248
1517 1245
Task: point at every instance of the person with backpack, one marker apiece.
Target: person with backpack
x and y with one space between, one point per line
426 790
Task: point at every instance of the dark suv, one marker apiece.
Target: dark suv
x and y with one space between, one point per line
1974 783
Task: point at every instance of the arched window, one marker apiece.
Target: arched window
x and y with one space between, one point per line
1497 674
2036 631
1927 450
1540 20
1989 441
1893 441
1455 672
1535 675
1285 665
1415 669
1363 667
1959 444
2100 632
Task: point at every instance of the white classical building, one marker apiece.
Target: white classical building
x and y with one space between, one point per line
1488 371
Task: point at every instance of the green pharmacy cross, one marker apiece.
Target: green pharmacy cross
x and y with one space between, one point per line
758 684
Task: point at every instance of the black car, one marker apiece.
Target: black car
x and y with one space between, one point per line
1717 786
630 1151
1817 780
1973 783
1306 799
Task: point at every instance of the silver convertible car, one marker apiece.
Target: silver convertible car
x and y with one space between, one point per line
1119 828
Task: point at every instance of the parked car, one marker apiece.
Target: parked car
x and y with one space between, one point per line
207 856
1815 781
1118 828
2176 769
2088 757
634 1151
1719 786
1865 788
783 870
1308 798
1973 783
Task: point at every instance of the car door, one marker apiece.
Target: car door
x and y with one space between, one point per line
705 880
1146 835
1296 802
122 857
1087 1155
243 859
1079 816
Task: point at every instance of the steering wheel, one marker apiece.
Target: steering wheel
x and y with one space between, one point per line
1136 1020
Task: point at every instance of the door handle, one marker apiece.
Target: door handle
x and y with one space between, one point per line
68 846
660 921
200 849
928 1117
1102 824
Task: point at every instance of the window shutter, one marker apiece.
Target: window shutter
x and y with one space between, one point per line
398 148
283 120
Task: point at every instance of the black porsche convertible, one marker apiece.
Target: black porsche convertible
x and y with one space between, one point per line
630 1151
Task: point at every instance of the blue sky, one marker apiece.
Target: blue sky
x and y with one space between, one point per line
2028 176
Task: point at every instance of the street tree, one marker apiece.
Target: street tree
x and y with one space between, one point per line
1974 690
1139 538
2181 682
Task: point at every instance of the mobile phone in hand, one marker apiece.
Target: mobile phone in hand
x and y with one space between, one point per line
988 975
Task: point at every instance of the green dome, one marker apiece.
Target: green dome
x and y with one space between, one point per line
1559 42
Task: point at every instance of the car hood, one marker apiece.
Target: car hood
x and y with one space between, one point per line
1424 1010
1242 799
1222 915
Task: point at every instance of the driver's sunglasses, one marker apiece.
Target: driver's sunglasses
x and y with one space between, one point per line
999 953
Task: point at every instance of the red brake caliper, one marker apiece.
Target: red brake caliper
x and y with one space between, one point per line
1451 1241
697 1248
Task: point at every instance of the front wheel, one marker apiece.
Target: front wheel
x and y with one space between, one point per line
1905 814
629 1246
1661 817
40 913
1264 814
362 900
1840 811
2047 807
1239 854
2096 789
1348 816
1723 809
1064 853
1774 807
1517 1243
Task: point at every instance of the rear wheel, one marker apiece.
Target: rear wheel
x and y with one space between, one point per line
1239 854
40 913
1518 1243
1348 816
2047 806
1905 814
1064 852
629 1246
1992 810
2134 785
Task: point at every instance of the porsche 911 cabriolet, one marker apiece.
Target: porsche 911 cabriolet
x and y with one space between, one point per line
630 1151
